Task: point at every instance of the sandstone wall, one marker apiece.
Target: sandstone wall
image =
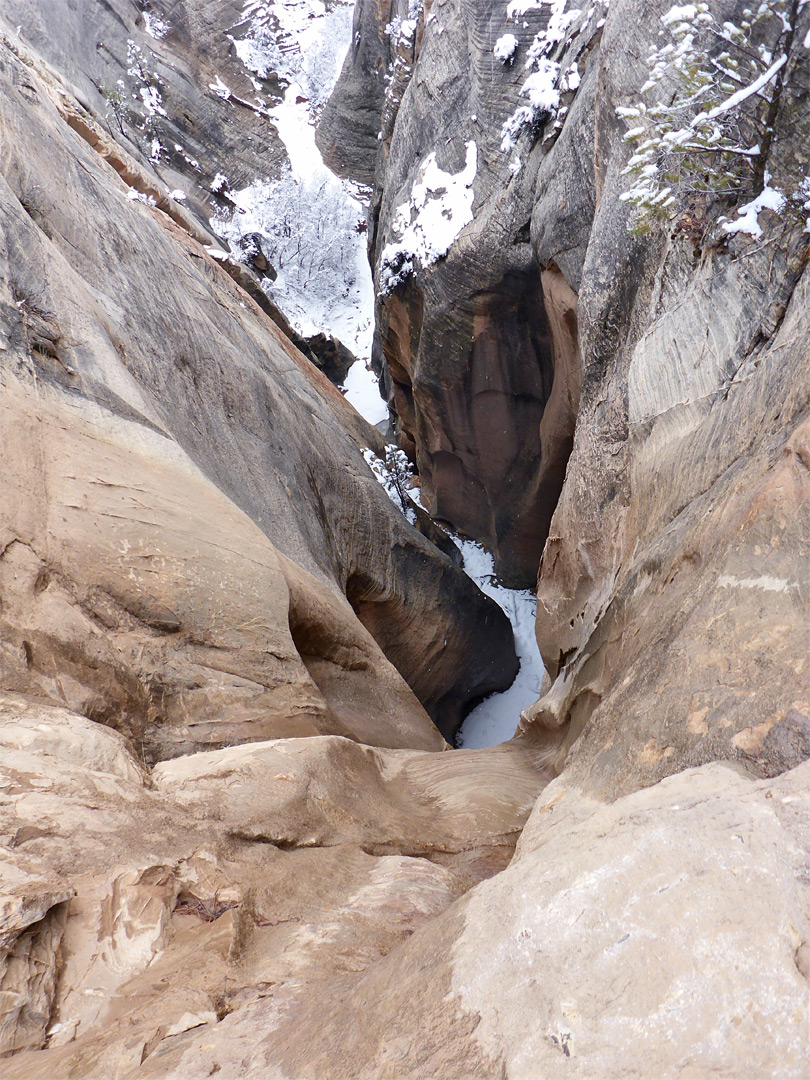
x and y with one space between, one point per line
145 391
193 552
680 530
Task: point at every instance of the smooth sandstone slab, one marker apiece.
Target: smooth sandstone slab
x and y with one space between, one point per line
667 934
139 908
327 791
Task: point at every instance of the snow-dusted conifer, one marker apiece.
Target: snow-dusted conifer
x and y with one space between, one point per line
711 139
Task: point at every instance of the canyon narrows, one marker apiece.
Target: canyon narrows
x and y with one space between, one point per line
236 636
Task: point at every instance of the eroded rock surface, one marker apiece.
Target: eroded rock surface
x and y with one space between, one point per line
672 605
171 901
589 955
475 351
266 871
179 546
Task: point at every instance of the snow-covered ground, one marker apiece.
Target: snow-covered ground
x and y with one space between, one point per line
363 391
312 224
496 718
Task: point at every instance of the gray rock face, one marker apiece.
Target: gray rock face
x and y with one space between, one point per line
347 132
88 45
467 346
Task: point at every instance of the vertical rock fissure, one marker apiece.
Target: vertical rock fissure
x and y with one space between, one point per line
484 396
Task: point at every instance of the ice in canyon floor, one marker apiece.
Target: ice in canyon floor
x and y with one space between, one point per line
495 719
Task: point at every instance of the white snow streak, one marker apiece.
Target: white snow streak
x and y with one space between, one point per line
744 94
496 718
747 222
426 226
766 582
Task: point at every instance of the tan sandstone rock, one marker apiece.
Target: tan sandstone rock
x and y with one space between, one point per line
167 450
662 935
138 909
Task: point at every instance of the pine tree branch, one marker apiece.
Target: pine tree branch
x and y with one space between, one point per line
742 95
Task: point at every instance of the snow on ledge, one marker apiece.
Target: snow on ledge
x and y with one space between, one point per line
747 221
505 48
427 224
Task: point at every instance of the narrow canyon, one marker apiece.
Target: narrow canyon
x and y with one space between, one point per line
404 540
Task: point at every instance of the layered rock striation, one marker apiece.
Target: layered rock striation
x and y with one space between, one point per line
469 346
680 530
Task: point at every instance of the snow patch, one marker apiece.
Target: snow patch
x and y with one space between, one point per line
362 390
139 196
311 223
220 89
544 86
496 718
505 48
541 88
427 225
684 13
769 199
559 21
155 26
571 78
